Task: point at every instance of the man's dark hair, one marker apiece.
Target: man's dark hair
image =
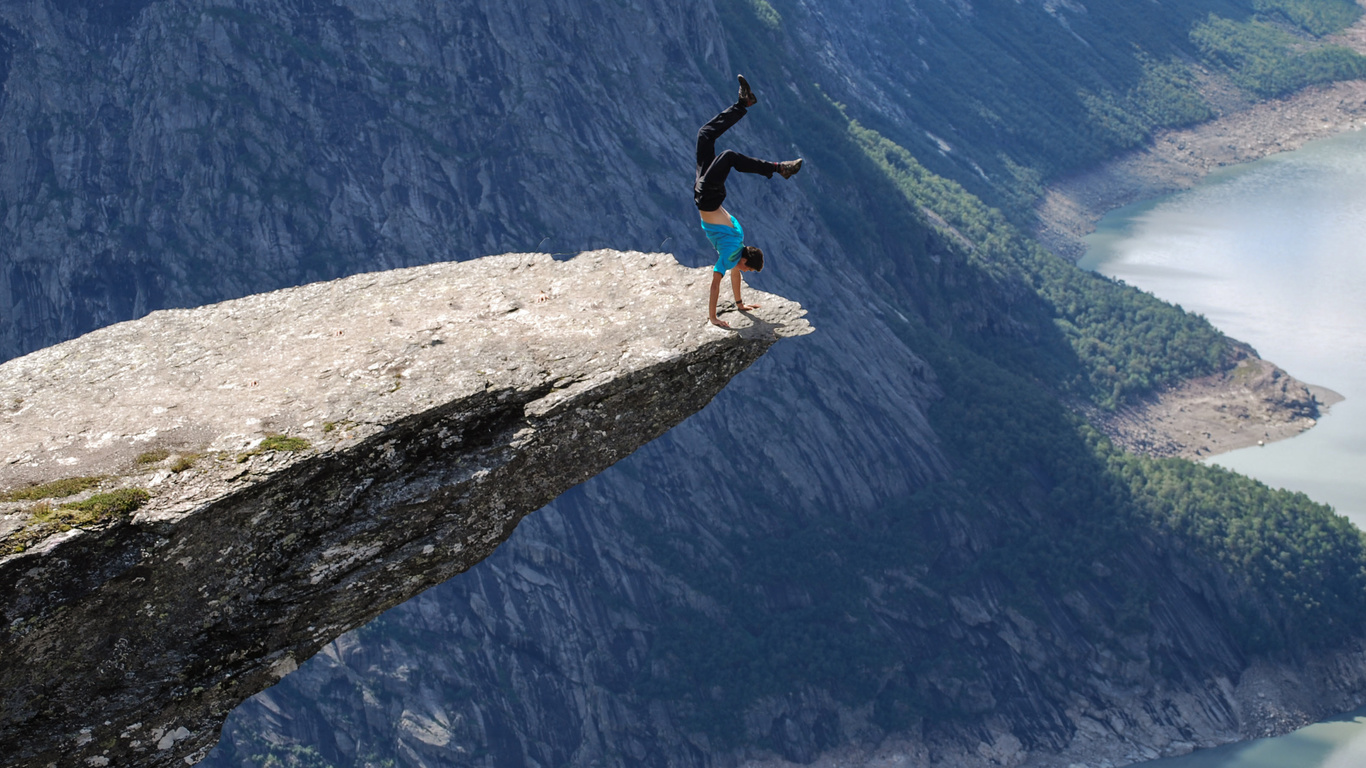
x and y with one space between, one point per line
753 258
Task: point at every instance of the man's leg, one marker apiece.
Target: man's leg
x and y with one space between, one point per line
709 187
720 168
709 133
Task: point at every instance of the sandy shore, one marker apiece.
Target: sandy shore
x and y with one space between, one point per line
1252 402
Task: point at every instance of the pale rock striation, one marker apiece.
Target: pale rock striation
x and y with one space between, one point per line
431 408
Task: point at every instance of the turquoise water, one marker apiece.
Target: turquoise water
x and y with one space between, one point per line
1336 743
1274 254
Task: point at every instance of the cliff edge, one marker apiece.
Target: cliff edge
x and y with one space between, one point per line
197 501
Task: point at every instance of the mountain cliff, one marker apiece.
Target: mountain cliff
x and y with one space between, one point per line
895 539
337 449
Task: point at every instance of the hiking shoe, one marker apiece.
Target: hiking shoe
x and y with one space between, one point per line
788 168
747 96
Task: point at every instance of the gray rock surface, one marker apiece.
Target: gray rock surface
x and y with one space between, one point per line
440 405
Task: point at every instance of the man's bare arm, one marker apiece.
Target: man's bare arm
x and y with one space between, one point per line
735 287
711 300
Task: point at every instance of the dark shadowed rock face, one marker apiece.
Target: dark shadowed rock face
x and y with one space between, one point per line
439 404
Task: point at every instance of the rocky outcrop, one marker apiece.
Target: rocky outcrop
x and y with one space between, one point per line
1251 403
310 458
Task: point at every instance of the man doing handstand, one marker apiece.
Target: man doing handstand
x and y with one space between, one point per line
721 228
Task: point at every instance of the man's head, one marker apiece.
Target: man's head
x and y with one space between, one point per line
751 259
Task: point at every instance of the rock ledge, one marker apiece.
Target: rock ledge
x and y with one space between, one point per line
431 408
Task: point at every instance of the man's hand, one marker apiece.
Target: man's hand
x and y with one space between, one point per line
735 291
719 323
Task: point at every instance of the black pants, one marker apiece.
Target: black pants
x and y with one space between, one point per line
710 187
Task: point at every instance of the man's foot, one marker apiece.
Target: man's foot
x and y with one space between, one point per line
788 168
747 96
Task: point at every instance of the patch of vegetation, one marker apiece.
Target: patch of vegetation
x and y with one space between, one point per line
154 456
291 756
185 461
276 443
69 486
766 14
1246 371
45 519
344 424
1304 565
1128 343
1317 17
1287 550
123 501
1167 95
284 443
1270 61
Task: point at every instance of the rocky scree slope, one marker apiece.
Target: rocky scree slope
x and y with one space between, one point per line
424 412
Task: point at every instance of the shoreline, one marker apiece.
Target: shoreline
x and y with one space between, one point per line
1251 402
1177 160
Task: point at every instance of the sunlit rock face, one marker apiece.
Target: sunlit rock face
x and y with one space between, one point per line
311 457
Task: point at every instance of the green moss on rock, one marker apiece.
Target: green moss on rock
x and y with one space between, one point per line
99 508
57 489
